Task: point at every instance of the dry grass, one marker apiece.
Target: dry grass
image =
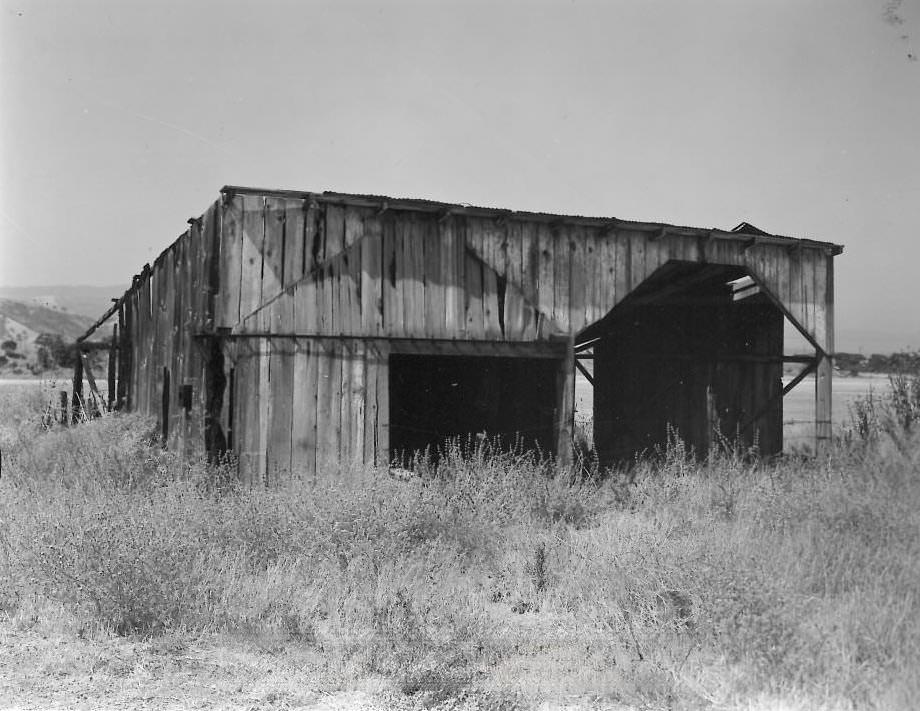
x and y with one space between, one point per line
496 582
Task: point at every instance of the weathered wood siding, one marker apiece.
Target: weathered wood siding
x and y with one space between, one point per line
169 306
424 275
308 293
308 404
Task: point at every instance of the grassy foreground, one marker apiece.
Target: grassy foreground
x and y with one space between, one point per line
128 579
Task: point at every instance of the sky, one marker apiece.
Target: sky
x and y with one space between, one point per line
120 119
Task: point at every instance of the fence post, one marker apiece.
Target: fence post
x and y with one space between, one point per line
77 400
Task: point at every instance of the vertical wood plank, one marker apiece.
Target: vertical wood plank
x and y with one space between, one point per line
352 270
196 314
111 372
490 305
372 277
294 241
824 426
124 346
383 405
231 260
182 339
637 259
404 288
335 230
253 233
345 440
358 403
371 369
562 275
334 427
243 404
515 308
623 283
324 458
415 259
546 280
457 235
266 404
273 247
327 292
281 375
313 237
311 398
565 409
475 321
210 264
392 301
168 335
530 276
581 281
434 280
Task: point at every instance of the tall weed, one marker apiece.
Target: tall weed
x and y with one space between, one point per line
680 581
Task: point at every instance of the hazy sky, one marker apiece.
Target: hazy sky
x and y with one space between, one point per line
119 120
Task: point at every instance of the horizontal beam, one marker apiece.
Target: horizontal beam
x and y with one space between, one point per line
102 319
403 345
740 357
88 346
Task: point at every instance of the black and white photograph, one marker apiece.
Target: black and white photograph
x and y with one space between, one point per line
546 355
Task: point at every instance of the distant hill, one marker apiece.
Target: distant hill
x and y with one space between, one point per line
18 319
33 337
81 300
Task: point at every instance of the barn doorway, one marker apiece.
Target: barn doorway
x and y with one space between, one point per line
694 351
434 399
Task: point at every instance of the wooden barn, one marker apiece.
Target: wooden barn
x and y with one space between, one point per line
305 330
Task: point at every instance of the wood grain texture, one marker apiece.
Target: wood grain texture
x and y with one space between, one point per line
475 321
284 264
334 231
546 280
373 368
273 248
358 395
434 281
294 242
281 377
345 351
231 260
253 226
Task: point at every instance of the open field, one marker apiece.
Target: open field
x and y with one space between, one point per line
798 405
131 580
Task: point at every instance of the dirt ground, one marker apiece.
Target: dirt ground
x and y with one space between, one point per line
40 669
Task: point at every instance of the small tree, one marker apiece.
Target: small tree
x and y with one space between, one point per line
53 351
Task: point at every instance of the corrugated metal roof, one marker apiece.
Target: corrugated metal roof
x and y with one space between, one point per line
742 232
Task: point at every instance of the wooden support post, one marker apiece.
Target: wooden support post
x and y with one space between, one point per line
565 407
113 365
127 352
96 403
823 420
824 426
77 400
122 380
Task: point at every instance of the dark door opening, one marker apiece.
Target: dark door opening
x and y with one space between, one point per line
695 351
435 399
